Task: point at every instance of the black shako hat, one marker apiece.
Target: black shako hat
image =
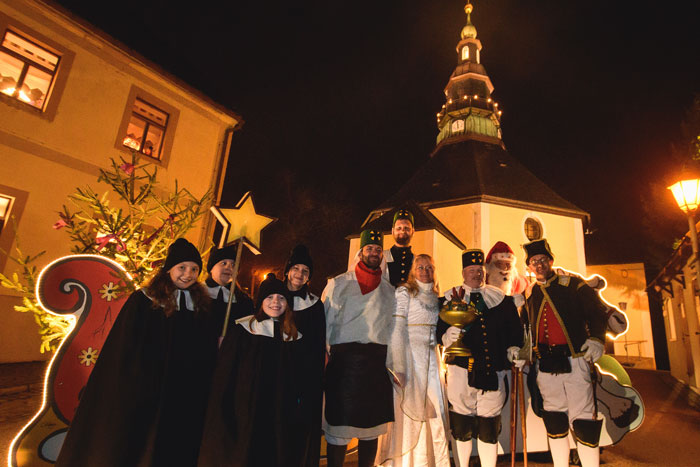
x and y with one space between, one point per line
271 285
473 257
299 255
538 247
180 251
216 255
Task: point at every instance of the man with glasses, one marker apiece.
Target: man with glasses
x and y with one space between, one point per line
567 323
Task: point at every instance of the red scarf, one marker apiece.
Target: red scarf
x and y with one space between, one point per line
367 278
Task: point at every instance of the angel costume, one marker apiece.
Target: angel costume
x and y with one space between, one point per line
417 436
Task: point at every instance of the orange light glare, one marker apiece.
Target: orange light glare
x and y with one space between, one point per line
687 194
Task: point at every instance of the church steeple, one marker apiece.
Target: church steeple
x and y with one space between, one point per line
469 111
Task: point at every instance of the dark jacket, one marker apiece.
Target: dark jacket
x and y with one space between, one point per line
488 338
576 306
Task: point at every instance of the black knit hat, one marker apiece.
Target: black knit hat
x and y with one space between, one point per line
538 247
180 251
299 255
271 285
474 257
216 255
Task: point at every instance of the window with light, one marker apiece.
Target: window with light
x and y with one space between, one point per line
27 70
465 52
533 229
146 129
5 206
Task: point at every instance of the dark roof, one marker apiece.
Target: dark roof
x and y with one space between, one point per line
422 220
466 170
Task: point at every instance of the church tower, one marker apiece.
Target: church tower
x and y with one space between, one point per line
471 192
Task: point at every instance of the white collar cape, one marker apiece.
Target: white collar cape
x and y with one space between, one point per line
493 296
214 292
265 327
304 303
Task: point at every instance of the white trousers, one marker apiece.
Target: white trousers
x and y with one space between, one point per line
467 400
568 392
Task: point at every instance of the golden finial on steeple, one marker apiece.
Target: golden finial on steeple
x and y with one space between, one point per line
469 31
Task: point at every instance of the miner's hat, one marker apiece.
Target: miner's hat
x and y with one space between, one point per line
402 214
538 247
473 257
371 237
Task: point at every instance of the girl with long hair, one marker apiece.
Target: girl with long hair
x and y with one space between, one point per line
254 406
145 401
417 437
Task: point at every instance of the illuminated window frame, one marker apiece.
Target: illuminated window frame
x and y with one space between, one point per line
60 76
14 212
138 94
23 49
6 203
465 52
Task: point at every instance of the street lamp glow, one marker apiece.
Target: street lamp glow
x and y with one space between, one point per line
687 194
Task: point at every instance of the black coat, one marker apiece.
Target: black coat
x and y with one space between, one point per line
488 338
145 401
311 323
254 406
243 306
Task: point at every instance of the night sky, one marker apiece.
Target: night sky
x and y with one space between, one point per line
339 102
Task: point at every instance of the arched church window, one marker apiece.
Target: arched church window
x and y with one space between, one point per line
465 52
533 229
478 56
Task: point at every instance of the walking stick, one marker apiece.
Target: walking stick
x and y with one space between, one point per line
513 412
594 382
523 424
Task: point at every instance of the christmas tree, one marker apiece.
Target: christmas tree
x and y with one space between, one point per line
133 222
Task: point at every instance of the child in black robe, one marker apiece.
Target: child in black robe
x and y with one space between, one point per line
310 319
145 401
254 406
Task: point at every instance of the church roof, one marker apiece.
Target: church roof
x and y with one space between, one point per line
422 220
469 171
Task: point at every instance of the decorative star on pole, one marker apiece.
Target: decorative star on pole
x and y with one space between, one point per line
242 222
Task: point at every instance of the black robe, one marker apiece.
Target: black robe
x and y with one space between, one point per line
254 405
243 306
310 319
145 401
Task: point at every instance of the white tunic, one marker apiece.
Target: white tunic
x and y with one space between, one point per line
353 317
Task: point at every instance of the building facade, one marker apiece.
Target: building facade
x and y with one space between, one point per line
71 97
676 287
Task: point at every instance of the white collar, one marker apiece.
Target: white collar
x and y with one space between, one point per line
265 327
188 299
304 303
214 292
493 296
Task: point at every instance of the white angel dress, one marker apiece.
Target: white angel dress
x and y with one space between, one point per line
417 437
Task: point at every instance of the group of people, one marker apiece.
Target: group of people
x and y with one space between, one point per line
362 362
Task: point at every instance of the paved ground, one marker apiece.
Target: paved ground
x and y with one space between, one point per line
669 436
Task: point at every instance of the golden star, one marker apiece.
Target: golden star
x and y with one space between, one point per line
242 222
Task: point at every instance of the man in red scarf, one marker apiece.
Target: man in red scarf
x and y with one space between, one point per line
359 395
